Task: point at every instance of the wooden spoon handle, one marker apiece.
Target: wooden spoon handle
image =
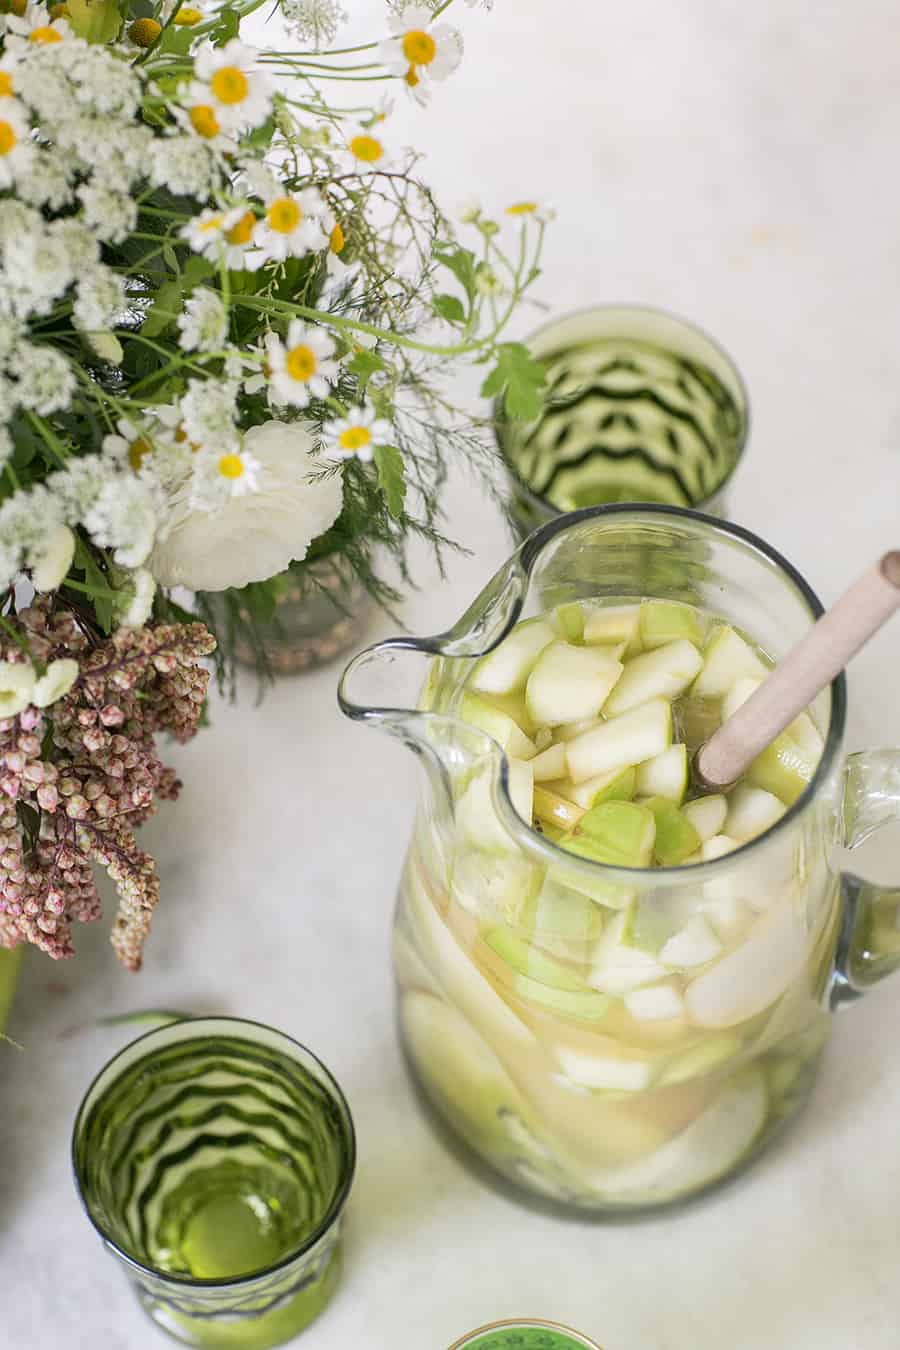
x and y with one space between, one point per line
815 661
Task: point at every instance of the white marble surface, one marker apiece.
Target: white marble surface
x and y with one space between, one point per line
735 163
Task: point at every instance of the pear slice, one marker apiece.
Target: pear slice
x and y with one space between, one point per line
569 683
695 945
610 624
570 731
663 621
550 764
701 1059
782 769
597 1072
675 838
707 815
623 741
618 834
480 712
616 786
665 775
506 669
655 1003
663 673
570 621
521 788
751 811
618 967
728 658
538 978
749 979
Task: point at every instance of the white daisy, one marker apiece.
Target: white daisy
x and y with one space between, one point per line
221 475
35 25
523 210
129 444
254 536
420 50
368 151
229 82
356 434
300 368
292 226
229 235
200 119
17 152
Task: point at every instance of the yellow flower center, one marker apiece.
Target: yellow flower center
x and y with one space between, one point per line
144 32
411 77
6 84
138 451
187 17
211 223
301 363
284 215
355 438
336 240
367 148
242 231
522 209
230 85
204 121
43 33
419 47
231 466
8 138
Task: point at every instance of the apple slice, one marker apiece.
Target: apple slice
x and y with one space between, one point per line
538 978
570 621
618 967
655 1003
569 683
675 839
746 981
550 764
663 673
480 712
611 624
506 669
663 621
751 811
695 945
707 815
616 786
728 658
665 775
623 741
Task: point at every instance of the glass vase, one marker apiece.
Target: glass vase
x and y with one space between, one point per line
321 612
214 1158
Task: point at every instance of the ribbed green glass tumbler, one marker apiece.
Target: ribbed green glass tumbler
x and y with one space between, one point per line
639 406
214 1157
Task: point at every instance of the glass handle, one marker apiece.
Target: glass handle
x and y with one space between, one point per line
869 941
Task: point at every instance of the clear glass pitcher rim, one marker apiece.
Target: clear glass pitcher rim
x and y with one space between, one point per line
527 554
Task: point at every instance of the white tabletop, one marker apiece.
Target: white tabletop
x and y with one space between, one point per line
736 163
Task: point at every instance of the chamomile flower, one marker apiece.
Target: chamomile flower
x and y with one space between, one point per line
35 25
357 434
226 235
419 49
7 77
533 210
367 149
292 226
130 444
16 149
230 83
300 368
233 473
200 119
204 323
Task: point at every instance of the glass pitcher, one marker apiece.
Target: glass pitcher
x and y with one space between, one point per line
550 1081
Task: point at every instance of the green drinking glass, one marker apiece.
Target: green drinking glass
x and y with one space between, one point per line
214 1157
639 406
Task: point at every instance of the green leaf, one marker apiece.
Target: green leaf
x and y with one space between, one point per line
364 365
165 309
449 307
226 28
196 269
103 598
176 41
391 477
170 256
94 20
461 262
519 378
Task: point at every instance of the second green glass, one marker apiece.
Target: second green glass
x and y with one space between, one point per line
214 1157
639 406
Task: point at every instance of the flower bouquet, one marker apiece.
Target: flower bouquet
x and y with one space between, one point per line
228 307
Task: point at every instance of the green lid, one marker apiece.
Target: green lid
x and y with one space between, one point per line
525 1336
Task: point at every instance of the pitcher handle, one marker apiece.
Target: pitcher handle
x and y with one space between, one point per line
869 941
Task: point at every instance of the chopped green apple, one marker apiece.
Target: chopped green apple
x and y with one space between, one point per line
663 621
782 769
618 966
616 786
570 731
695 945
655 1003
612 1073
562 919
493 887
609 624
746 981
705 1057
675 839
718 846
570 621
621 742
616 833
751 811
550 764
521 788
664 775
707 815
570 683
506 669
540 979
552 809
727 659
738 694
480 712
663 673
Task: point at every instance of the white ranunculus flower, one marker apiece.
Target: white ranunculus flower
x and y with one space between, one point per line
51 561
58 680
16 687
253 536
